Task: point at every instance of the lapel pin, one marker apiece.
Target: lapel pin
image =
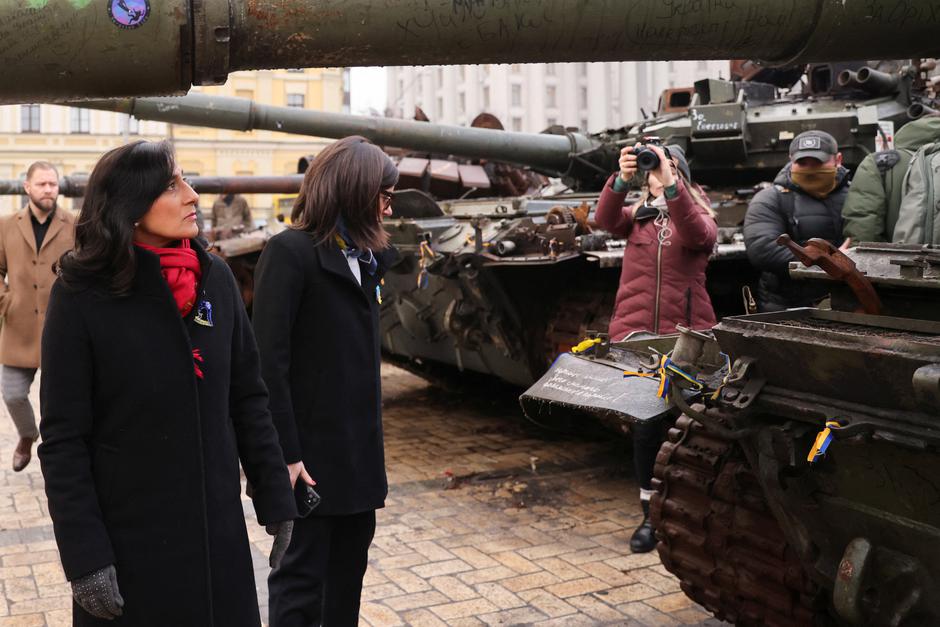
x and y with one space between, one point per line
204 314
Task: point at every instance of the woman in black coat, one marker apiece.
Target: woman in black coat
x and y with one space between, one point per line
316 311
151 394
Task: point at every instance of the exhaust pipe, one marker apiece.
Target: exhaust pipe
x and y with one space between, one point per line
877 83
919 110
848 79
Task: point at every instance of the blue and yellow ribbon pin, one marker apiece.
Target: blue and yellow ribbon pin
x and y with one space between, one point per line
823 440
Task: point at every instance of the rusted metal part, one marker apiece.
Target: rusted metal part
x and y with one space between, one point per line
877 586
838 265
717 535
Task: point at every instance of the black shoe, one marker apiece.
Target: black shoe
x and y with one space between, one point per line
643 539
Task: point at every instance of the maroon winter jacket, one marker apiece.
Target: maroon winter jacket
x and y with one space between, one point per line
660 286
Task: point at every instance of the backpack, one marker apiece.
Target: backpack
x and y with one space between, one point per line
919 213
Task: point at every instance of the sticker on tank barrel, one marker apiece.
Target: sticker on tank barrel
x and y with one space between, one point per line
129 13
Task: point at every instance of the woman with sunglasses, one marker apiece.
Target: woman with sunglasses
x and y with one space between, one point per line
151 397
670 232
318 287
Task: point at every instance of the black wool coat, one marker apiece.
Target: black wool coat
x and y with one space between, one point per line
318 333
141 459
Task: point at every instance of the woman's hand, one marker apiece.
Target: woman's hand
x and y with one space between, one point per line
298 470
664 172
282 534
627 164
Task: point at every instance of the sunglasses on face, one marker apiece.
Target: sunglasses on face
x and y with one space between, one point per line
386 197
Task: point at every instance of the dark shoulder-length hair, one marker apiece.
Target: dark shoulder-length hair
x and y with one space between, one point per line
124 184
344 181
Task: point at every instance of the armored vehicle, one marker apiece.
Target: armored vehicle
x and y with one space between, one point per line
503 285
798 486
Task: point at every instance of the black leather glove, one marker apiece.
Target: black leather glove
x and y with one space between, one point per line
98 593
282 533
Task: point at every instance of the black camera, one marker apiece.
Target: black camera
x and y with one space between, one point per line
646 157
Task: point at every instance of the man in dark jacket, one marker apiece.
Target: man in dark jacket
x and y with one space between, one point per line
804 202
872 206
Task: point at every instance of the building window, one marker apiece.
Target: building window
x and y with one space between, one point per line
295 100
80 120
133 125
463 72
551 99
582 98
584 124
440 76
550 69
295 70
515 68
440 106
462 100
486 97
401 87
582 69
29 118
517 95
517 124
551 121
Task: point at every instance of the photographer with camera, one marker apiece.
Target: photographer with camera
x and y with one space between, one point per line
670 234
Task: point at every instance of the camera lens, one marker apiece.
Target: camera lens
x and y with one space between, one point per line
646 159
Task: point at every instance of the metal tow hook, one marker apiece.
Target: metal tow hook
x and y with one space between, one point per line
835 263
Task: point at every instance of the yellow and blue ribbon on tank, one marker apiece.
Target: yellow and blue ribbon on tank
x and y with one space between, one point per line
823 440
665 370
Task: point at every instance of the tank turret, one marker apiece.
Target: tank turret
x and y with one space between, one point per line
138 47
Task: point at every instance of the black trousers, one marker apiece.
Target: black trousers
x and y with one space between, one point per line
648 436
319 581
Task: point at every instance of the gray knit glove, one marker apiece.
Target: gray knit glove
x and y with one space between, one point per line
282 533
98 593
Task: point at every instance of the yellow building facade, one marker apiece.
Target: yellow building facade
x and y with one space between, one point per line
74 139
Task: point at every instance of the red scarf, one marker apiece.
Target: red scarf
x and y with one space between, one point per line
180 267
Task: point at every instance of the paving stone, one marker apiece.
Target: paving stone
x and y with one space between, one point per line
453 588
422 618
547 603
499 596
461 557
576 587
484 575
464 609
379 616
647 615
626 594
415 601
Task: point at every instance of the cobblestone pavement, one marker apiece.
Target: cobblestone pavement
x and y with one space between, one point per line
489 521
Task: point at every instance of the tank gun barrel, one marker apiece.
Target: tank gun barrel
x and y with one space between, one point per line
549 153
142 47
74 186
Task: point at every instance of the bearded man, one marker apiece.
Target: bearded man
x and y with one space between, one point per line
31 242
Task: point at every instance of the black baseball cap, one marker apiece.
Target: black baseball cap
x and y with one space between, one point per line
816 144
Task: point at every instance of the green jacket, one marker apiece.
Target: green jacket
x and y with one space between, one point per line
871 208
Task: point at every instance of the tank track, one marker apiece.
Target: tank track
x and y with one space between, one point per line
584 308
717 535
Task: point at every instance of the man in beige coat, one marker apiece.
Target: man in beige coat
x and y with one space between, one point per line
31 242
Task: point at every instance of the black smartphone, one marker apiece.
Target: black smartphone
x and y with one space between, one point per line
306 498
